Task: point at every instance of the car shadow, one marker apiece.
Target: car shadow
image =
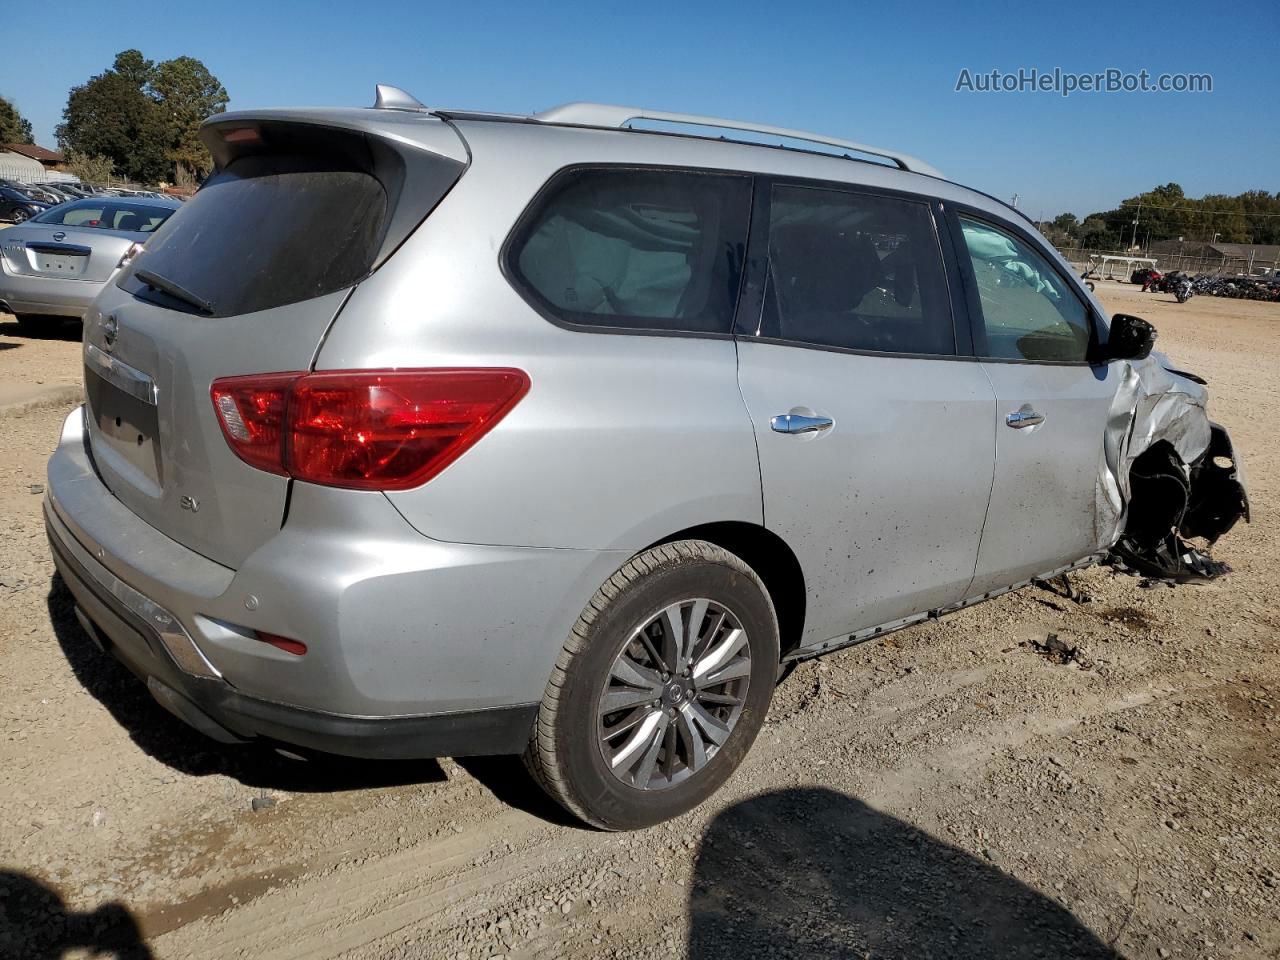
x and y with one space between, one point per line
813 873
35 924
166 738
508 780
55 328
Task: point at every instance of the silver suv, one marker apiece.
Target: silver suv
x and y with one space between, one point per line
419 432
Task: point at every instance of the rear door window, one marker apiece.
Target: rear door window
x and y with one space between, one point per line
856 271
267 231
635 249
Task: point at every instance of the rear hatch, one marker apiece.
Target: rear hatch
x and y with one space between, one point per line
245 279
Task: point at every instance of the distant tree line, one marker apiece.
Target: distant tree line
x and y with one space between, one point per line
142 119
1166 213
13 127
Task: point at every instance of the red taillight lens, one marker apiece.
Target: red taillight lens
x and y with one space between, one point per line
365 430
252 412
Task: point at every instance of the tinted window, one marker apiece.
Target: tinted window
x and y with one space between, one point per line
1028 311
643 249
267 231
107 215
856 271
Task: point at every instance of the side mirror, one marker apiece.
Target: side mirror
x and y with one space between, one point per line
1131 338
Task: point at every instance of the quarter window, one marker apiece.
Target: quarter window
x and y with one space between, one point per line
637 249
1028 312
857 271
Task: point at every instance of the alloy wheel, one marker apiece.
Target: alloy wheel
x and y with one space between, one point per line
674 694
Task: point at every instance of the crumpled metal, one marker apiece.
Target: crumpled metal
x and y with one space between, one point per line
1151 403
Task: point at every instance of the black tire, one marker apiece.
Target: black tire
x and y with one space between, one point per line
19 215
564 754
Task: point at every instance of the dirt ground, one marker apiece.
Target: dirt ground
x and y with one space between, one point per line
943 792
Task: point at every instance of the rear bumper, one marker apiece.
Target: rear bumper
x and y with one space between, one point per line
48 296
218 710
415 648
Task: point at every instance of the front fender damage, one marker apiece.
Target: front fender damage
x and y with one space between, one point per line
1169 475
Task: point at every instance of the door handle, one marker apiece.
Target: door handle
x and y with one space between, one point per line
795 423
1026 417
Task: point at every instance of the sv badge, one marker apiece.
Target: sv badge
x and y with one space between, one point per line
189 503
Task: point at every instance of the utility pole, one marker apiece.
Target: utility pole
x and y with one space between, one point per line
1014 202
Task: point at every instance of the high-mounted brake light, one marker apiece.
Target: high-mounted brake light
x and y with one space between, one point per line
242 135
363 429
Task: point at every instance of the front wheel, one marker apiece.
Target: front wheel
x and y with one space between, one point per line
660 689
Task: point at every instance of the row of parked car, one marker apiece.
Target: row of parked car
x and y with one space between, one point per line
21 201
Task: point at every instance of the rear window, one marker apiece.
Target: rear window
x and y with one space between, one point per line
266 231
637 249
107 215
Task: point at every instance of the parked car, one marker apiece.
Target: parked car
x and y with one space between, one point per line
420 433
16 205
61 192
41 194
74 191
54 264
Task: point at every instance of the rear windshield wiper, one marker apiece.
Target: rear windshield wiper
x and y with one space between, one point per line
174 290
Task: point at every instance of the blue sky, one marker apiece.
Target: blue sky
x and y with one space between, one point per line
877 73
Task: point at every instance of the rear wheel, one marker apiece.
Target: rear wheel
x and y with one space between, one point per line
660 689
20 214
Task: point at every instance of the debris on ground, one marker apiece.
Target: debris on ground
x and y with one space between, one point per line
1056 650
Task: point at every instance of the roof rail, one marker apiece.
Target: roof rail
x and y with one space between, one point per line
605 115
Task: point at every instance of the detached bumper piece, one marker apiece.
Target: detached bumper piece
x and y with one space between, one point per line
1172 503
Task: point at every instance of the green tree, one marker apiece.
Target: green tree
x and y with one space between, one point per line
111 116
90 169
134 67
144 117
1094 233
1065 222
187 94
14 128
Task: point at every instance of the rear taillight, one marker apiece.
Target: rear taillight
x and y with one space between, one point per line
367 429
133 251
252 413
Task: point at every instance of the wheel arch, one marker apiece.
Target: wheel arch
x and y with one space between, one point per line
771 558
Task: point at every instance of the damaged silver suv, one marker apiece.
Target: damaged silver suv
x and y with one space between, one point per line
548 435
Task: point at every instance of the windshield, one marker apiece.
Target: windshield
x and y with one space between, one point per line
107 214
